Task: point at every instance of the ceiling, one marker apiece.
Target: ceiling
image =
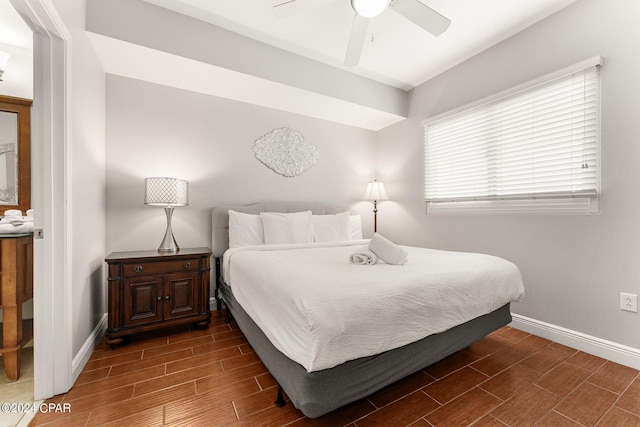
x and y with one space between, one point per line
397 52
302 55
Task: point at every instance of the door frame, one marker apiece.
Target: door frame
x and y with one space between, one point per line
51 135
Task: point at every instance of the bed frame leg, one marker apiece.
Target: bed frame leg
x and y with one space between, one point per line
280 402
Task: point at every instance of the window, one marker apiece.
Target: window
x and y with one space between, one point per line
533 150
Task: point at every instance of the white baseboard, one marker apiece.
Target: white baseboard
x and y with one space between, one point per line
615 352
80 359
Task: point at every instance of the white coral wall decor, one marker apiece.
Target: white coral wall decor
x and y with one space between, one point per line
286 151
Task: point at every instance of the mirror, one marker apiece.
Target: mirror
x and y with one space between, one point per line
15 153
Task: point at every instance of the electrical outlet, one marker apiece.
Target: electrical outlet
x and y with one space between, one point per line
628 302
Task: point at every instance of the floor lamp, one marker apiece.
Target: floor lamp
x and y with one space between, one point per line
375 193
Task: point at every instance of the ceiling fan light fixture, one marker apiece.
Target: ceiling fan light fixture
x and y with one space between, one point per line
369 8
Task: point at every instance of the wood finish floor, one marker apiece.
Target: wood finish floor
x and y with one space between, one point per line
183 377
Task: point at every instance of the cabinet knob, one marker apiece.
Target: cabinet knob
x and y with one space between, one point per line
166 297
159 298
138 268
186 264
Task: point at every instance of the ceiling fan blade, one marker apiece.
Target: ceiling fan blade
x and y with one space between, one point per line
421 15
284 8
356 40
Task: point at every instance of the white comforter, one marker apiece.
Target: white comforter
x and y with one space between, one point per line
320 310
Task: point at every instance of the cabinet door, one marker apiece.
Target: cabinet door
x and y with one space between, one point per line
183 294
142 300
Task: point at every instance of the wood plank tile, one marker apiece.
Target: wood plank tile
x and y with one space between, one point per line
512 334
529 345
73 420
153 417
180 377
586 361
569 350
487 345
586 404
402 412
179 346
209 348
455 384
400 389
197 333
613 376
114 359
545 359
250 404
238 361
630 398
225 378
185 408
554 419
153 363
269 417
519 411
223 336
496 362
206 416
90 376
489 421
84 390
510 381
97 400
147 362
451 364
563 379
86 404
199 360
617 417
266 380
132 406
340 417
464 410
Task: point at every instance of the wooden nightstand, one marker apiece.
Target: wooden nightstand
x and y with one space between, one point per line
150 290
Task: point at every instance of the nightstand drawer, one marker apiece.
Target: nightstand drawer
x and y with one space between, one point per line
143 268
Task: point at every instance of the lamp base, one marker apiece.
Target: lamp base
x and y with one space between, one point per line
169 242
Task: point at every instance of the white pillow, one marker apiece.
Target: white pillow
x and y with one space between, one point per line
355 227
331 228
245 229
287 227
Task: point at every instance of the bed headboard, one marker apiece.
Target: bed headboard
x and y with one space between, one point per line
220 217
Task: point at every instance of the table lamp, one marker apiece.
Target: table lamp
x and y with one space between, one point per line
168 193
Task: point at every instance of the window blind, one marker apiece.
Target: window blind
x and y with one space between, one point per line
538 143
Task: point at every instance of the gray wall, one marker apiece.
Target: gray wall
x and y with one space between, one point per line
85 177
574 267
155 130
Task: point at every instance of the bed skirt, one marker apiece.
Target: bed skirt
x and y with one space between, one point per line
319 392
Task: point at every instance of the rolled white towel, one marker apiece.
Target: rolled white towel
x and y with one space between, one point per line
388 251
12 212
363 256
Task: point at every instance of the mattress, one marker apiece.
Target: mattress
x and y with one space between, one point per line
321 311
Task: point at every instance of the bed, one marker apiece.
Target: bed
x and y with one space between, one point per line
322 336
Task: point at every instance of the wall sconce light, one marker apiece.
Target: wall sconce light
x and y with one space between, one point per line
169 193
4 58
375 193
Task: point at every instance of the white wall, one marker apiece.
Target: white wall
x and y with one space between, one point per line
85 179
574 267
155 130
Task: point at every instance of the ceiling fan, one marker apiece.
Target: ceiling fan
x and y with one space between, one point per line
365 10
